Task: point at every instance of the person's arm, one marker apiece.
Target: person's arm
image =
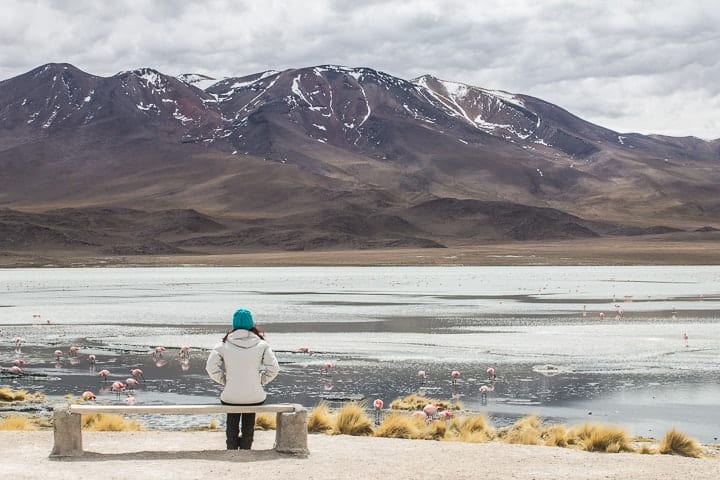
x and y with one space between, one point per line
270 366
215 366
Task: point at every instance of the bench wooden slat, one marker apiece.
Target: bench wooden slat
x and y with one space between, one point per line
182 409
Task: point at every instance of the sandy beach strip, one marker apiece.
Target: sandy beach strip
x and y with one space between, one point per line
199 455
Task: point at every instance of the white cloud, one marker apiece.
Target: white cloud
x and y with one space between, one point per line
630 65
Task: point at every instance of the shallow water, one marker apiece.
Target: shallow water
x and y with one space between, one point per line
380 325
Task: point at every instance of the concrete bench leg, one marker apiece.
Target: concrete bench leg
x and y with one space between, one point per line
68 434
291 432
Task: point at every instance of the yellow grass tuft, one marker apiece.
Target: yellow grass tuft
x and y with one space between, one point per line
397 425
353 420
475 429
594 437
320 420
16 422
677 443
108 422
526 431
417 402
265 421
556 436
7 394
646 449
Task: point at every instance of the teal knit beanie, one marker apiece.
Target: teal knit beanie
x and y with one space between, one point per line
243 319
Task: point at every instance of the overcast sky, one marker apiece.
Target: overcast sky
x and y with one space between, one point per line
648 66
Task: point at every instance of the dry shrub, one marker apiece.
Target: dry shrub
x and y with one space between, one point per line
265 421
474 429
353 420
16 422
108 422
396 425
646 449
594 437
677 443
556 436
437 430
526 431
320 420
417 402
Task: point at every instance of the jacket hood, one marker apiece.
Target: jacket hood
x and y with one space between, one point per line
243 338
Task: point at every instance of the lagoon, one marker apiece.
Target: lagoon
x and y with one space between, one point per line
540 327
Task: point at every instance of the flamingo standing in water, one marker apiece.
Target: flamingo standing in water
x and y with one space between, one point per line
378 404
491 373
19 362
58 355
118 387
423 376
131 382
104 374
88 395
137 373
483 394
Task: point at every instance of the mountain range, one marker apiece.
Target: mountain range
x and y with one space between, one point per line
324 157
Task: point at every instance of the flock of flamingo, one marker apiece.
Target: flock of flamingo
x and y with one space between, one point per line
118 387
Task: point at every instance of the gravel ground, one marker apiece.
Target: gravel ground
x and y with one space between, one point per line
198 455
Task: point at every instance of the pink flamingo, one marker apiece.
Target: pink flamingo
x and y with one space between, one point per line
184 352
601 315
129 399
117 387
422 375
483 394
430 410
58 354
131 382
491 373
137 373
91 359
73 351
419 414
303 350
104 374
378 404
19 362
16 370
159 351
685 337
88 395
445 415
327 370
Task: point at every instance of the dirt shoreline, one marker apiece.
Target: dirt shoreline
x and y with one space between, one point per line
198 455
605 251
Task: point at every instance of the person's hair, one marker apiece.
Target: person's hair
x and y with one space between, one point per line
255 329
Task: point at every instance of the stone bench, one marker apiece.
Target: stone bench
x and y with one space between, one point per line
290 434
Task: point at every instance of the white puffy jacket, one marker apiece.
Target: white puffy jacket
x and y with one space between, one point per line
243 364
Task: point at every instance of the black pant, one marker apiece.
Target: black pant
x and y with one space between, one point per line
235 438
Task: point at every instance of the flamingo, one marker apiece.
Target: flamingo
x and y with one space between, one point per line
602 316
16 370
378 404
73 351
91 359
58 354
419 414
184 352
137 373
430 410
327 370
104 374
422 375
483 394
159 351
129 399
303 350
88 395
685 337
445 415
117 387
131 382
491 373
19 362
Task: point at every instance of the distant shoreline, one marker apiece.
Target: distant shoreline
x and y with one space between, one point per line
605 251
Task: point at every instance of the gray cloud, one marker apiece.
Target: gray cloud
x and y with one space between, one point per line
630 65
